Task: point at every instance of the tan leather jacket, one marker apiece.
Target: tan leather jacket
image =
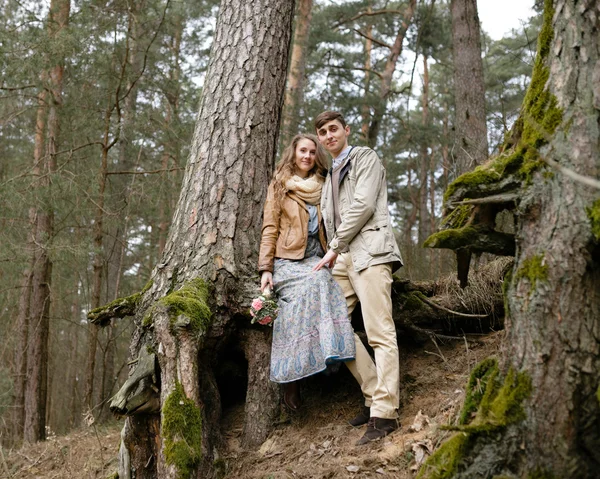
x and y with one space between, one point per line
285 230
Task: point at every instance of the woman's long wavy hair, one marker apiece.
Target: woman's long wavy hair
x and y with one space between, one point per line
286 168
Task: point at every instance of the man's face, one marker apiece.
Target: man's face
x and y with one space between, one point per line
334 137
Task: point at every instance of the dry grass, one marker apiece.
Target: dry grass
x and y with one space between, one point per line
483 295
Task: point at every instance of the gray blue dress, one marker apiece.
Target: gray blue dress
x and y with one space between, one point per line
312 328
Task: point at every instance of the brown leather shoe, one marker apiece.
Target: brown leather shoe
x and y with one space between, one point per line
361 418
291 395
378 428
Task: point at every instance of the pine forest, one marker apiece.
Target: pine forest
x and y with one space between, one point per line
137 142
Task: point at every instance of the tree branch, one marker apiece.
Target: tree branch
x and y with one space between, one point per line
177 168
367 14
373 39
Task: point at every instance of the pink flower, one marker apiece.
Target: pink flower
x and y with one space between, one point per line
257 304
252 313
265 320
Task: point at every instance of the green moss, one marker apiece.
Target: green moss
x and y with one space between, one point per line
487 173
594 216
411 301
534 270
499 405
478 380
540 473
505 407
147 321
444 462
182 432
128 303
191 301
452 238
114 475
541 114
458 218
598 394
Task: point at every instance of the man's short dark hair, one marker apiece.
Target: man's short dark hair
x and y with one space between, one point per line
328 116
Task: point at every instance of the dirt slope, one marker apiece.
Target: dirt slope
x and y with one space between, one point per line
314 443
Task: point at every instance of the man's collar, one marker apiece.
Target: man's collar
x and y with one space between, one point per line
343 154
341 157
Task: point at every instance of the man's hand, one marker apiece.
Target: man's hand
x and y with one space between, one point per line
266 279
328 260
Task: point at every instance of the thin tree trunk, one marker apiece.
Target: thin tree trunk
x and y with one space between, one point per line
171 146
72 383
388 72
365 107
21 356
37 354
295 81
445 142
424 222
471 143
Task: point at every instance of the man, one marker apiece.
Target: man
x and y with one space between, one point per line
365 253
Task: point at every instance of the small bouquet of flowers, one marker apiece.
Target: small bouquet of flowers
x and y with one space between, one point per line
264 308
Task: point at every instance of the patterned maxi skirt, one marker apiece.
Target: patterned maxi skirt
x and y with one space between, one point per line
312 328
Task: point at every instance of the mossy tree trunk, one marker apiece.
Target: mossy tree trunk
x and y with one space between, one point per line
202 286
545 421
554 331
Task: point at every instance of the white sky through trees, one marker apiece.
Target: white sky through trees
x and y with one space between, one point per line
499 18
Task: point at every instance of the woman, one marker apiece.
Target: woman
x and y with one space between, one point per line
312 328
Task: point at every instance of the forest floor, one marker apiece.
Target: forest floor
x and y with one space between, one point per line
314 443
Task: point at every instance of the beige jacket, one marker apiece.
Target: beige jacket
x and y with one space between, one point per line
285 230
366 229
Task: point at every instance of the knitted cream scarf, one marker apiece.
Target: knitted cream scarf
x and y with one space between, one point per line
307 189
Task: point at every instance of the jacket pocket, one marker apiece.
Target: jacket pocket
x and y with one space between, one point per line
378 238
289 237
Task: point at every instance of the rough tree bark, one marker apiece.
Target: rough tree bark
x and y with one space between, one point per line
471 144
540 413
294 92
37 355
211 252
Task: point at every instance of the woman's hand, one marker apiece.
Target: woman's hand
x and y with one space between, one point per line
266 279
328 260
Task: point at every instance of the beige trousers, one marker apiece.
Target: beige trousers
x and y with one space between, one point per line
379 380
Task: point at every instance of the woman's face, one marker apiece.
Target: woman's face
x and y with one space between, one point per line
306 151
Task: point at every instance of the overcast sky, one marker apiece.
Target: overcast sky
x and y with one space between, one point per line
499 17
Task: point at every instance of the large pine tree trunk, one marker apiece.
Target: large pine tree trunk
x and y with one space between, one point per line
543 418
555 321
213 241
471 144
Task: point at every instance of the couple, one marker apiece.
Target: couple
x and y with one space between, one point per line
327 243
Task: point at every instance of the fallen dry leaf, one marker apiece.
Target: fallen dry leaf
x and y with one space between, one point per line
421 421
